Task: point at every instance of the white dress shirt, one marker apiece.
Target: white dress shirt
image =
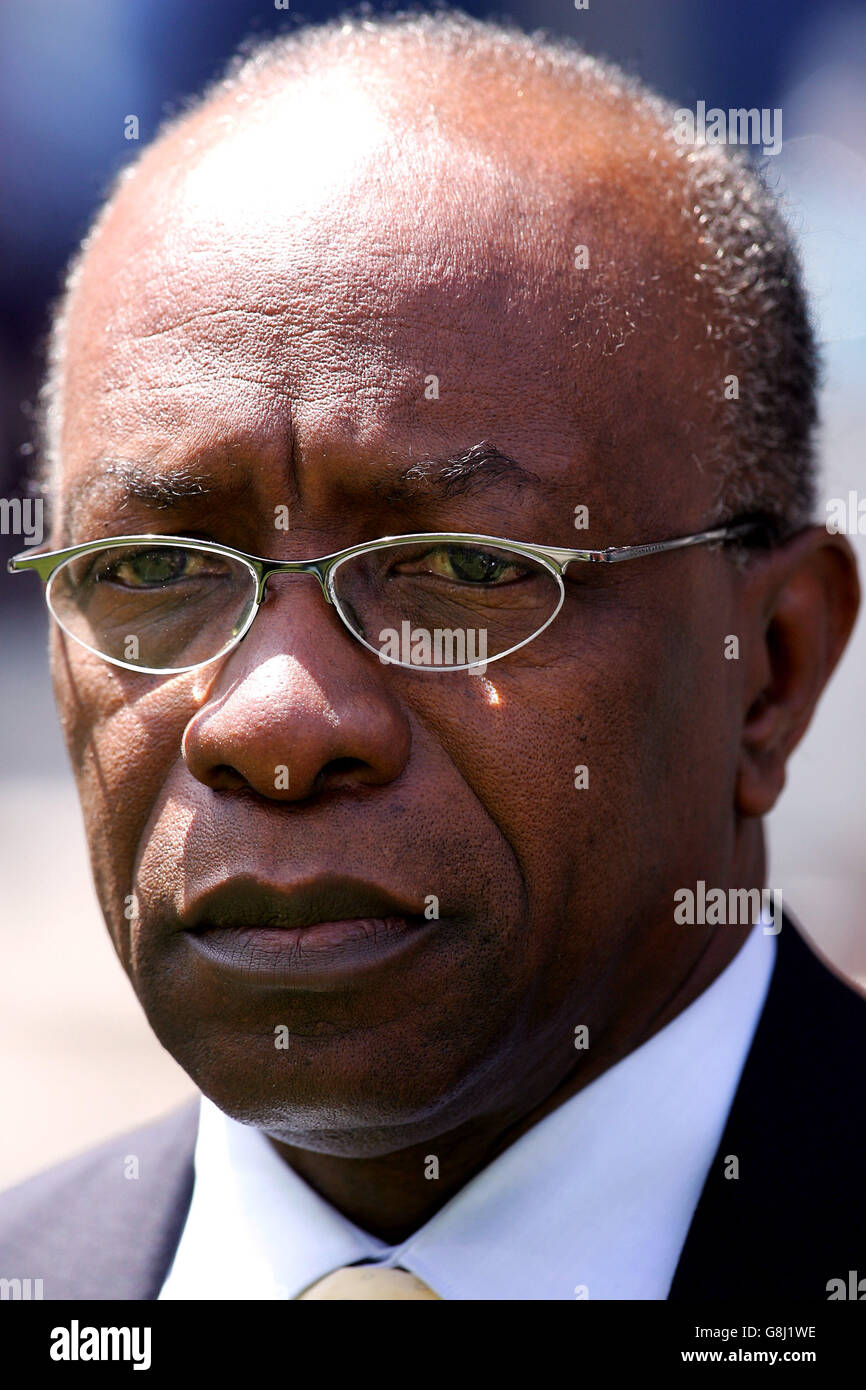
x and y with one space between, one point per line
595 1201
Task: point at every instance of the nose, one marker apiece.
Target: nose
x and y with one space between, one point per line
299 708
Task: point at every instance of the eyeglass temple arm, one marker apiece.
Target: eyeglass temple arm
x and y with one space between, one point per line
614 553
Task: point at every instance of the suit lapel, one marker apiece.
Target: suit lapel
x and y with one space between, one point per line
106 1224
794 1216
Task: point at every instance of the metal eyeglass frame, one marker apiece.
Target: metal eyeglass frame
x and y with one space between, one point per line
555 559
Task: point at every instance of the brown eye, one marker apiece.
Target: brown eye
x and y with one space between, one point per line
473 566
157 567
466 564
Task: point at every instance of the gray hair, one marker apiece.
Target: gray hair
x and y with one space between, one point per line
744 255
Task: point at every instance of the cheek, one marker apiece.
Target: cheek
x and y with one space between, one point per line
584 764
123 734
643 762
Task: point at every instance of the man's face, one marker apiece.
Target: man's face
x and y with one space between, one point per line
269 326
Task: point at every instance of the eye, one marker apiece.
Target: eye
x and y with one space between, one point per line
158 566
467 564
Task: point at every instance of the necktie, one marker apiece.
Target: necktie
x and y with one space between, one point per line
359 1282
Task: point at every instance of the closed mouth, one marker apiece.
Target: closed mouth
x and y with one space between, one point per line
325 928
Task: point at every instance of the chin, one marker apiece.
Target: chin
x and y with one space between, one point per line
359 1112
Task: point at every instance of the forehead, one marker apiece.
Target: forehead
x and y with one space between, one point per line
248 257
309 273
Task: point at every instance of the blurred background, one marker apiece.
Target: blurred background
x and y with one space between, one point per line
78 1060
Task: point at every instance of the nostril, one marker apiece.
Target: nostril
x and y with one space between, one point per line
225 778
338 769
339 765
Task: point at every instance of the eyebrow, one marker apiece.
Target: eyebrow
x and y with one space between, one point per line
471 471
137 482
457 475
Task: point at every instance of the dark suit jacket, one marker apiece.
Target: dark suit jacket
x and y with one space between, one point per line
794 1218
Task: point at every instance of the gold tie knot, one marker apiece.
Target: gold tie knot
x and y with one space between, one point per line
358 1282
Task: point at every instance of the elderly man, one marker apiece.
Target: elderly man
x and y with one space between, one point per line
438 863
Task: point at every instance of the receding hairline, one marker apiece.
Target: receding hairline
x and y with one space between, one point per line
422 55
743 237
458 57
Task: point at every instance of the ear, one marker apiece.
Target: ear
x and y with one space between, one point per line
801 603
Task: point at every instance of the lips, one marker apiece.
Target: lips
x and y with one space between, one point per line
246 902
318 933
